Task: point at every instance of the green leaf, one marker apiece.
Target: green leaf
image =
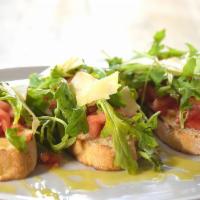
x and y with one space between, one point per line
124 130
34 81
119 130
47 134
169 53
192 49
18 141
162 51
59 125
37 100
114 61
95 72
65 99
68 69
189 67
157 46
147 144
77 122
116 100
157 75
159 36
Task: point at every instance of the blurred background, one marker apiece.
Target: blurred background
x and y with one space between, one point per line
45 32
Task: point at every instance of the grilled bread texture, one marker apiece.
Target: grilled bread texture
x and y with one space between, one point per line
98 153
184 140
15 164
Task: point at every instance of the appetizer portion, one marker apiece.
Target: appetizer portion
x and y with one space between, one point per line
87 111
167 81
18 150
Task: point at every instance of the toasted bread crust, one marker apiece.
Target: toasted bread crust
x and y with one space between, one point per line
15 164
183 140
94 154
97 153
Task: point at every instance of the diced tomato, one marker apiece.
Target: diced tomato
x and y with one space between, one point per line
150 94
193 115
193 119
5 120
6 115
91 109
96 123
5 106
163 104
24 131
49 159
52 105
1 131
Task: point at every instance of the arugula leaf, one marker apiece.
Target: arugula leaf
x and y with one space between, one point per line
157 75
116 100
95 72
38 100
124 130
34 81
114 61
162 51
18 141
189 67
119 130
68 69
7 94
157 46
20 111
65 99
192 49
62 123
77 122
55 143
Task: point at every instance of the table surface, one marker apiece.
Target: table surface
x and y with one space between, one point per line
35 32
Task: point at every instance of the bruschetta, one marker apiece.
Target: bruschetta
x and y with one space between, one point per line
167 81
18 150
88 112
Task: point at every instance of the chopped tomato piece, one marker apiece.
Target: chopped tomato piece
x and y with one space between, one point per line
5 120
163 104
96 123
24 131
193 120
91 109
150 94
1 131
50 159
52 105
193 116
5 106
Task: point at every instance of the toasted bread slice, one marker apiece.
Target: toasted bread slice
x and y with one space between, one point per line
98 153
183 140
15 164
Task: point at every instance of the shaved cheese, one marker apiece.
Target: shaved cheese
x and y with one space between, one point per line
131 107
89 89
173 64
70 64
